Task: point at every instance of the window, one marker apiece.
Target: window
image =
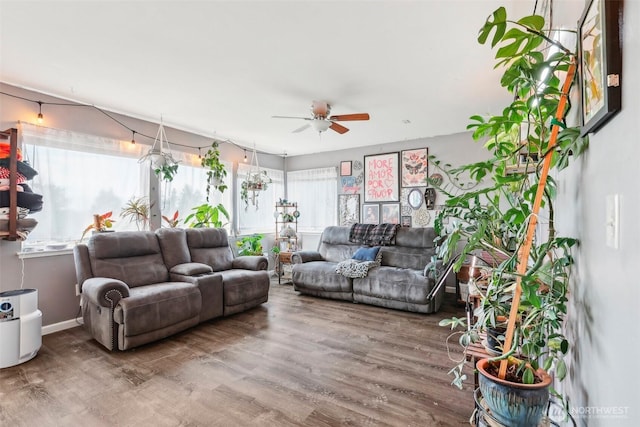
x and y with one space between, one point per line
79 176
252 220
187 190
316 192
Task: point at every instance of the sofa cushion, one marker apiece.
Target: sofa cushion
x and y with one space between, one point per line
173 243
191 269
157 306
366 254
406 257
321 276
393 283
131 256
210 246
241 286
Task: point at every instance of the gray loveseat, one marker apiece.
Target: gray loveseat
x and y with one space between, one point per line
403 281
141 286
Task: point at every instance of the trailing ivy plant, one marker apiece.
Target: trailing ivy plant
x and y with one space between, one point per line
216 172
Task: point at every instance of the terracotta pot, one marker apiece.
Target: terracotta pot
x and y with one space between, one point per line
514 404
463 274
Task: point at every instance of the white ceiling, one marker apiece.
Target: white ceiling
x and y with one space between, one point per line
223 68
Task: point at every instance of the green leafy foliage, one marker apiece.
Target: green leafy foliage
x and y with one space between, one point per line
207 215
167 171
490 203
216 171
250 245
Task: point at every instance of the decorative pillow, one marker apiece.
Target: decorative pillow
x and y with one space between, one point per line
366 254
354 269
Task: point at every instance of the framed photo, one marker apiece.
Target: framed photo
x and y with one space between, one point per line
391 213
345 168
348 184
370 214
348 209
381 178
600 63
405 221
414 167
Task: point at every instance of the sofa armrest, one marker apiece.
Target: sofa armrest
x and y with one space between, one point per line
191 269
301 257
251 262
104 291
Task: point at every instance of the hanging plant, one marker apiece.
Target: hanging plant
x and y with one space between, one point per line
217 172
251 186
164 165
255 182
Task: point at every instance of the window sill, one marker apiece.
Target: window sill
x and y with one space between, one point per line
44 253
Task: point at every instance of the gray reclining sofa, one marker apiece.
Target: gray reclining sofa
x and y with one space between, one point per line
141 286
403 281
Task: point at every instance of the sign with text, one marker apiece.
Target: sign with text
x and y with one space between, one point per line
381 178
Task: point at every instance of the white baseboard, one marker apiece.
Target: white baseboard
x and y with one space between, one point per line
61 326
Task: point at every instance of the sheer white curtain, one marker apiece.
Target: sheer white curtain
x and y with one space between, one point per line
261 220
80 175
316 192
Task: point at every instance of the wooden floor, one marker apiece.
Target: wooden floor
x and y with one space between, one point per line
294 361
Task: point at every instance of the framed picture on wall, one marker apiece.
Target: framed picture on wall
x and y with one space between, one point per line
370 214
600 63
405 221
391 213
414 167
381 178
348 209
345 168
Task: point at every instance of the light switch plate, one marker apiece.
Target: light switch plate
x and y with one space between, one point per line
612 221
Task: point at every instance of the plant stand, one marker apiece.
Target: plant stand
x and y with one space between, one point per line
482 417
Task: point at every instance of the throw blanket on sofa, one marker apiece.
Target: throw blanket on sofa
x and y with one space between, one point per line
355 269
374 235
359 232
382 234
364 259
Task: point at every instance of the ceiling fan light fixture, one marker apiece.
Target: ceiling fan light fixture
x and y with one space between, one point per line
320 125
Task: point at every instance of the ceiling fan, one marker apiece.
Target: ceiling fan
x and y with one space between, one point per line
320 119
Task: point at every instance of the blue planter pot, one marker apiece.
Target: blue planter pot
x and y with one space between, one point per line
514 404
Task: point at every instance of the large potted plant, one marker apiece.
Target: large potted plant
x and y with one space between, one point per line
494 213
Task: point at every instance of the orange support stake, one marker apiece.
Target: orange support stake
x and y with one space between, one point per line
533 219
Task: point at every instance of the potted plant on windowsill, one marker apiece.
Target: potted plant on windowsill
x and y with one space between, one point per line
527 279
100 224
137 210
250 245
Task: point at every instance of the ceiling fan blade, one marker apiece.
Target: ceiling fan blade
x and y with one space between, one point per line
301 128
348 117
338 128
290 117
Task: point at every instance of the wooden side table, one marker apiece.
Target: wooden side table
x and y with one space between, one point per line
283 258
